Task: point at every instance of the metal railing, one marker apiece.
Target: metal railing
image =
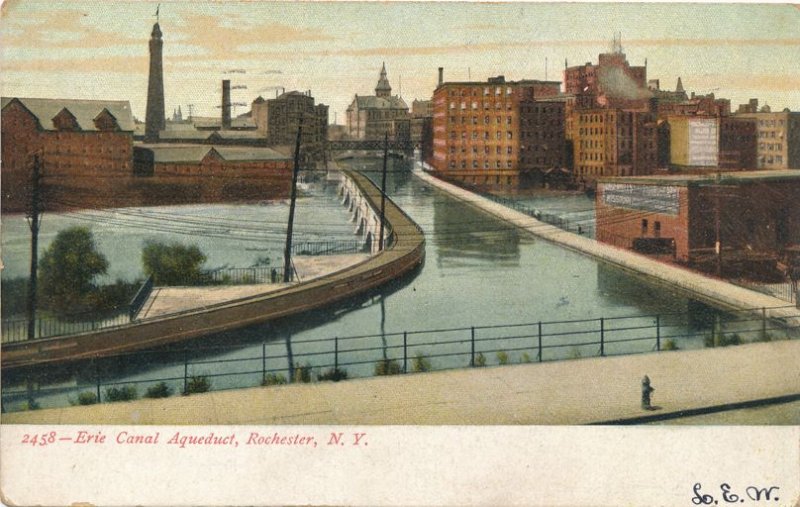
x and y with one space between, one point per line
135 306
541 215
288 360
328 247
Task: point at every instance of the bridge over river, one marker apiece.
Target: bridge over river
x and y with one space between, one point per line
479 272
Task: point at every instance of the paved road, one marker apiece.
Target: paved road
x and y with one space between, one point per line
567 392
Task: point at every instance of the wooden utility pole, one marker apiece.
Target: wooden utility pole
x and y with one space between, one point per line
33 216
287 254
383 190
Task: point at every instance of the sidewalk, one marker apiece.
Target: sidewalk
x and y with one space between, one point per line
168 300
581 391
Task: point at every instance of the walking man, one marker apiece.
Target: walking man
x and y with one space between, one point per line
646 390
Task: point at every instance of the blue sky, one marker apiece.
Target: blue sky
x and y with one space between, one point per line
98 50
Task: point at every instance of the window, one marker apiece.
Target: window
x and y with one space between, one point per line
657 229
644 226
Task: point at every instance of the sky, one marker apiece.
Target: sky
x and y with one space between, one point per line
99 49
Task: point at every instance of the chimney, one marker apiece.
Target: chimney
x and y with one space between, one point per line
226 104
441 75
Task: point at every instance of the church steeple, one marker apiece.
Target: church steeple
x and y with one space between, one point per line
155 120
679 86
383 89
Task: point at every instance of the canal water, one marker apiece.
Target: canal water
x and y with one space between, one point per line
479 273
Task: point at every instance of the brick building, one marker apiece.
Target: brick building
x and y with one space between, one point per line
738 143
477 129
614 142
208 173
610 119
371 117
778 138
757 214
84 146
278 120
542 150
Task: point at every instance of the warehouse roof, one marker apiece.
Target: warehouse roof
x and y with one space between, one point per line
725 178
195 153
85 112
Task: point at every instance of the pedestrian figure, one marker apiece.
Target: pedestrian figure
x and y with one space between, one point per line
646 390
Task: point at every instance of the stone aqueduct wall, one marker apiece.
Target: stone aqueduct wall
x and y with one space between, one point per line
405 251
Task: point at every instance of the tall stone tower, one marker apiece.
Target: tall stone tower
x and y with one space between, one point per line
383 89
155 120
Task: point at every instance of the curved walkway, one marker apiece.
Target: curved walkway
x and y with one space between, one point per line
405 252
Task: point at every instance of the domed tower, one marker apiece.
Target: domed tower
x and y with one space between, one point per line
383 89
154 119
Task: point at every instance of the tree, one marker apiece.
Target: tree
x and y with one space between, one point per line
172 264
68 269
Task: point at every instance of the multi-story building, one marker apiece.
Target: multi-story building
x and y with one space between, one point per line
477 128
278 120
542 142
738 144
612 83
778 137
614 142
694 142
371 117
84 146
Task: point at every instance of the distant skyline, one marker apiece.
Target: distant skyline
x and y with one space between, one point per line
98 49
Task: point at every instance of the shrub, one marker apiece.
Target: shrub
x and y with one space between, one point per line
67 271
669 344
124 393
198 384
575 353
334 375
480 360
160 390
302 373
387 367
420 364
87 398
733 339
173 264
526 358
31 405
502 357
273 379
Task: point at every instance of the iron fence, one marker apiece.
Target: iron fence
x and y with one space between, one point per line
328 247
286 360
577 227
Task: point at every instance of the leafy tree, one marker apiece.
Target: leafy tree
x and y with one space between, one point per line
173 264
68 269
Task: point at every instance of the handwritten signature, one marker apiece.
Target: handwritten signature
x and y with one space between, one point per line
727 495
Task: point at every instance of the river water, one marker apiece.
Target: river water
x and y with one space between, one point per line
478 272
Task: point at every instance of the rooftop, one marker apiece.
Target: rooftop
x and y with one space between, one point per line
726 178
84 111
170 153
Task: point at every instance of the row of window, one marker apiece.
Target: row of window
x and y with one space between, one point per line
486 149
770 146
769 160
484 105
486 135
498 164
487 90
486 120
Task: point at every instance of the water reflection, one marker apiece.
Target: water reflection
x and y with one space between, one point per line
466 236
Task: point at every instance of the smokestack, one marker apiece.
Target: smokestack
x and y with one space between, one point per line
226 104
441 75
